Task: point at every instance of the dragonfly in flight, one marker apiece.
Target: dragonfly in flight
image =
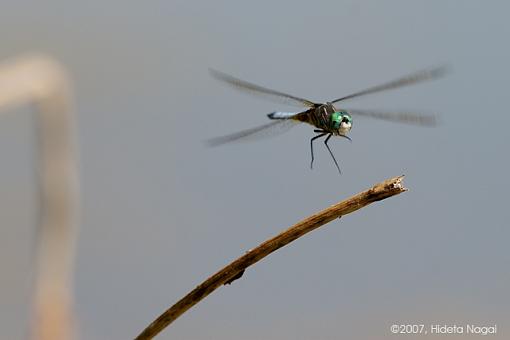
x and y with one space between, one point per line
327 119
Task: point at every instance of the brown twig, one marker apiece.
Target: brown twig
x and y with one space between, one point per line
235 269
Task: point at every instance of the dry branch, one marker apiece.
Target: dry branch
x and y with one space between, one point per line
235 269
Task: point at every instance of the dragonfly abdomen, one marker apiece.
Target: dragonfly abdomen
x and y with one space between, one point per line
305 116
282 115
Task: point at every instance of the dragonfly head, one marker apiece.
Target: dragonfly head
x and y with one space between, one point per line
341 122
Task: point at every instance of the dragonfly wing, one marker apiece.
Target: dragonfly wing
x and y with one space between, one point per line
266 130
414 78
399 117
270 94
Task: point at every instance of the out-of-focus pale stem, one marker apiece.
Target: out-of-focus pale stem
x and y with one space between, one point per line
41 81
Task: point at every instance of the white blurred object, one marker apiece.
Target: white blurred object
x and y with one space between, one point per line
43 82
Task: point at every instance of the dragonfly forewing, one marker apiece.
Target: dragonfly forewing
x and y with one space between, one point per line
269 93
410 79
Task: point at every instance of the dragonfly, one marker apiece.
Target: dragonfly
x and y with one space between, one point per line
327 119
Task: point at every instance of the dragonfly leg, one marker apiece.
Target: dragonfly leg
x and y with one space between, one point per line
331 153
311 143
346 137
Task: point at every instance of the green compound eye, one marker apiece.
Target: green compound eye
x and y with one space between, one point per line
336 119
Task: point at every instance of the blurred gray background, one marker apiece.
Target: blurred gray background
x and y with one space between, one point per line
160 211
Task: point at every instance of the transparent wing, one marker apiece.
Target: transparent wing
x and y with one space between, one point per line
266 130
399 117
414 78
268 93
